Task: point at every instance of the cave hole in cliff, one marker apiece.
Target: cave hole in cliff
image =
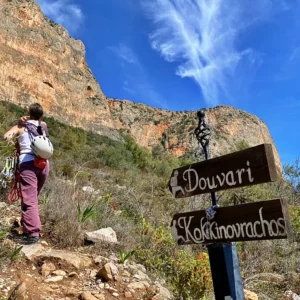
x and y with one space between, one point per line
89 91
49 84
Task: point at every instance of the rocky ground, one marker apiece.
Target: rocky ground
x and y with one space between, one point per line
44 272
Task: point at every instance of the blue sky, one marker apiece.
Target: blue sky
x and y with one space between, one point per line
188 54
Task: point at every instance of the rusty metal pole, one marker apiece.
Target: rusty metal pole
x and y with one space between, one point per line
223 258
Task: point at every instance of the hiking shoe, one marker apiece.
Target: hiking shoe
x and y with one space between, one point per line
28 240
14 236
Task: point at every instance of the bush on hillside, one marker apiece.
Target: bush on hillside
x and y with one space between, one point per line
188 274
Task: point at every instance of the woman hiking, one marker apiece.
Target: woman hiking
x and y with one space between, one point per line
31 140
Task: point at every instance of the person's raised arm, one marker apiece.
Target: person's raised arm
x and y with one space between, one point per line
12 133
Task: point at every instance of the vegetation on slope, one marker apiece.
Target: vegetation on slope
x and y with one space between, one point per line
130 195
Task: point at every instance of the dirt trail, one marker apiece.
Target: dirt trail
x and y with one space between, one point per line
43 272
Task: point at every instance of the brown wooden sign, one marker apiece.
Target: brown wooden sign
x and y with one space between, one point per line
251 166
266 220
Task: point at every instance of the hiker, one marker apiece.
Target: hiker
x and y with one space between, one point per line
34 149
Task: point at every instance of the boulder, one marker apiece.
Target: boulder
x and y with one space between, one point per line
134 268
164 293
108 272
47 268
105 273
31 251
114 270
73 259
141 268
141 285
141 276
87 296
107 235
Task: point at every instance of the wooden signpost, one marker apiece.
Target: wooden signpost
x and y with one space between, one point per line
264 220
251 166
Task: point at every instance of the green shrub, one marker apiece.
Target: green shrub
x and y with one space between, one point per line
294 212
86 214
191 276
66 170
83 177
158 151
186 273
117 158
16 254
141 156
123 256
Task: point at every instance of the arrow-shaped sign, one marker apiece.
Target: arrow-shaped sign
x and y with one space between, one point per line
264 220
247 167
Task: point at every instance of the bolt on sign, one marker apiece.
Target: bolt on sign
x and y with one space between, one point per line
264 220
247 167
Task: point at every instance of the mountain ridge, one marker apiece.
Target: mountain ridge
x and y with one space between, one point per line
41 62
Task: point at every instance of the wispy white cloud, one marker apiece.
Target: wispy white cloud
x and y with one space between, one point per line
125 53
137 82
63 12
201 37
126 87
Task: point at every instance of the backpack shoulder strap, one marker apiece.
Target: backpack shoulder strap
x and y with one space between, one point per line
30 129
36 130
40 128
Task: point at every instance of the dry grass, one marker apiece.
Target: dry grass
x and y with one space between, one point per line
59 214
268 267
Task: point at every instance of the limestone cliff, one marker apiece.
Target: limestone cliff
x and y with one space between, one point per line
39 61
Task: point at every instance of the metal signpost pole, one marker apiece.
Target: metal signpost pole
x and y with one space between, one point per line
223 258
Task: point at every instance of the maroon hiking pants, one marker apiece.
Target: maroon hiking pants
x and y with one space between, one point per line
32 180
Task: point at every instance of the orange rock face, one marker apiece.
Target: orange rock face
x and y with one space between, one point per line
39 62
